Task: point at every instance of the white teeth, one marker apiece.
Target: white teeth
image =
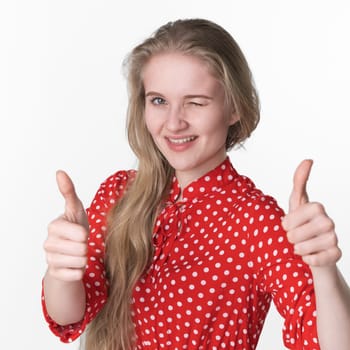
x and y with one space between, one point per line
179 141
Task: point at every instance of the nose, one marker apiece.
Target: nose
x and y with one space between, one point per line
176 119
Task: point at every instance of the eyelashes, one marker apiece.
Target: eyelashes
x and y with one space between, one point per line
161 101
158 101
196 104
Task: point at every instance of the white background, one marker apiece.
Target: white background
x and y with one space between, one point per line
63 101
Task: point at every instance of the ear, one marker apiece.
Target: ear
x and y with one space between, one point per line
233 118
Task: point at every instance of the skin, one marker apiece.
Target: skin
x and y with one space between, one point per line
66 256
184 100
312 232
308 226
176 109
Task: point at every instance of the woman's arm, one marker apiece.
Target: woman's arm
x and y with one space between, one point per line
66 254
333 308
65 301
312 232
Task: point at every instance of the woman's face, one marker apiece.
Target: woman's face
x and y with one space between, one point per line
185 113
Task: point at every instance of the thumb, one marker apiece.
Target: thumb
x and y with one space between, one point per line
299 195
74 210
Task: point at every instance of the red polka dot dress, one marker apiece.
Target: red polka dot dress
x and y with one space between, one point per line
220 258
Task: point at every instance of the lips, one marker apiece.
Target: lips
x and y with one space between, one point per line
180 141
180 144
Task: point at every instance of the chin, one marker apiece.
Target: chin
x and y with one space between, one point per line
179 165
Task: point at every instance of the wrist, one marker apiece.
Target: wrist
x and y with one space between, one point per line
325 276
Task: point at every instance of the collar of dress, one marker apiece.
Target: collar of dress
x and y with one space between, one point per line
213 181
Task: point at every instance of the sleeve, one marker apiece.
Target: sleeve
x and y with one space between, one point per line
284 277
95 282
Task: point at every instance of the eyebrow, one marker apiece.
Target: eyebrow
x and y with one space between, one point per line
154 93
199 96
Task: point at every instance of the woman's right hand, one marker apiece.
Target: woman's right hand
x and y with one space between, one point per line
66 243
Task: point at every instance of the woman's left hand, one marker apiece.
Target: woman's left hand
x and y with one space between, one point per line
308 227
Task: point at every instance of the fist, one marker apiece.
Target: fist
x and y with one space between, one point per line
66 243
307 224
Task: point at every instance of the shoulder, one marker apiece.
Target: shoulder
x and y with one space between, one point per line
114 187
117 182
253 200
257 217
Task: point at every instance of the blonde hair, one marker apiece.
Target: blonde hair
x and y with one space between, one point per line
129 248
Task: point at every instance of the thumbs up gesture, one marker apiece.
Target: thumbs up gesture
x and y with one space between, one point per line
66 244
308 226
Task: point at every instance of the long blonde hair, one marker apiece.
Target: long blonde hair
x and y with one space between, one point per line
129 248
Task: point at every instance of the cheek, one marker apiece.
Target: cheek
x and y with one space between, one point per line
217 131
148 120
151 124
217 123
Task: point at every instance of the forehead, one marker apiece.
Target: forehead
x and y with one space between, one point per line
178 72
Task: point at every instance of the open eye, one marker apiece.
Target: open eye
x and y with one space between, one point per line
158 101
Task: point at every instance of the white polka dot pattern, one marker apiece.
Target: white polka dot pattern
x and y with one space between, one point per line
220 257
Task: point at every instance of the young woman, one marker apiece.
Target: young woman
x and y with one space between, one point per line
186 253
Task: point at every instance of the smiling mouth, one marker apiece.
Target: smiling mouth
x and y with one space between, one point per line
181 141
